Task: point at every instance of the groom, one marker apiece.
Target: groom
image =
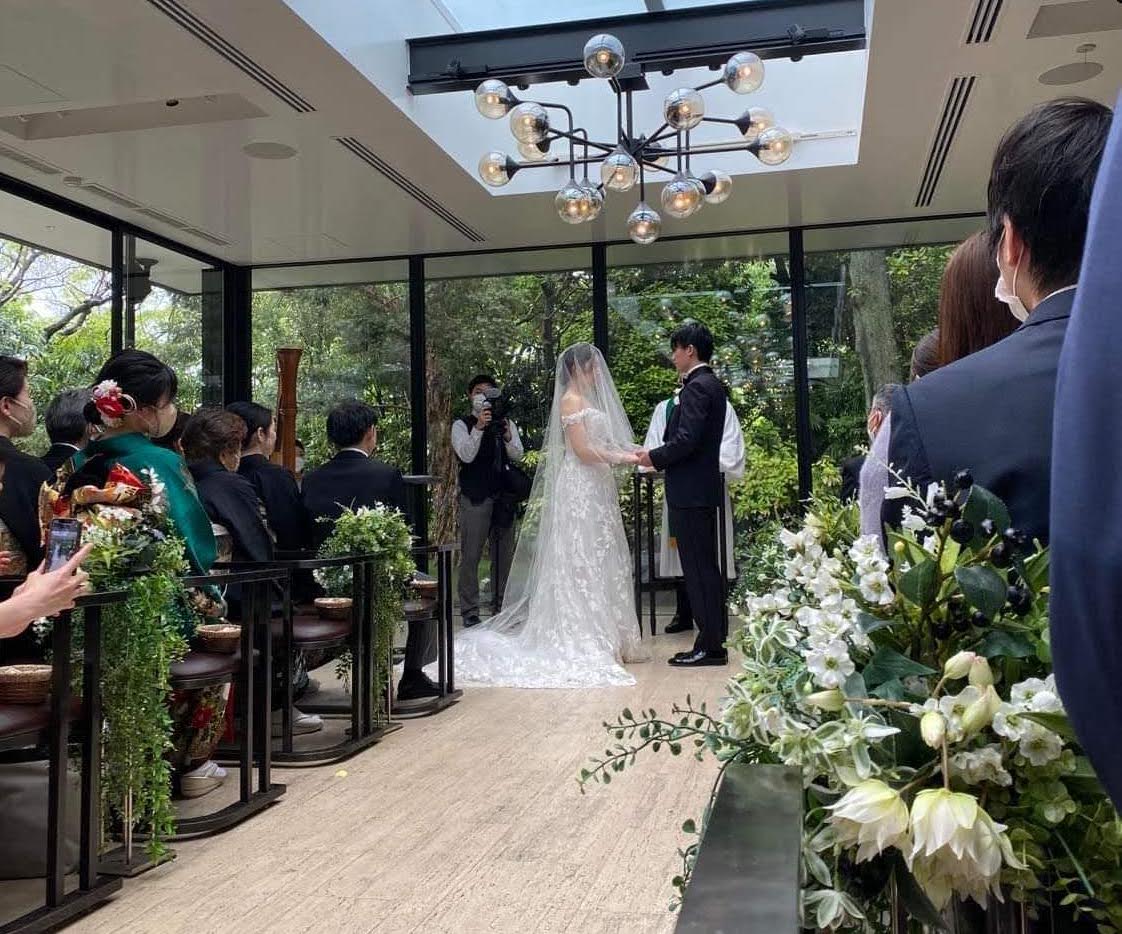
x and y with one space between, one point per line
691 457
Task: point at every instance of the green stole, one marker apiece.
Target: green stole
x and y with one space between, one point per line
137 453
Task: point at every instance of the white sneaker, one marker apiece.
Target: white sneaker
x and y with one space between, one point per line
301 723
203 780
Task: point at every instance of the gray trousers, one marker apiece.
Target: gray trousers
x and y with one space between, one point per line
475 532
421 644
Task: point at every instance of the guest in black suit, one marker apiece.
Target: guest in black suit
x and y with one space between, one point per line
275 486
992 411
353 479
691 458
24 475
1086 558
66 426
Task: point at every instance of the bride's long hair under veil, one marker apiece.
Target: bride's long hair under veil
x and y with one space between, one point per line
582 373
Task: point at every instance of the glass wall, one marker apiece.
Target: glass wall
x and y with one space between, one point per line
352 322
55 299
173 309
872 294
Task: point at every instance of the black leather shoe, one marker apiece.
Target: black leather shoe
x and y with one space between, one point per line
417 686
699 659
470 621
676 625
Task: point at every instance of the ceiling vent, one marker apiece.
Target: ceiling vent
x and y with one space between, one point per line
114 196
29 161
1076 18
953 108
164 218
201 31
983 21
153 214
208 237
376 162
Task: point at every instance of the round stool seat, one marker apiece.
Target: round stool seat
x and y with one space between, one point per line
203 669
418 610
313 632
23 719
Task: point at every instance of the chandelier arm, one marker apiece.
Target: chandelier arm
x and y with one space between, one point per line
687 152
642 184
655 165
678 150
594 144
727 120
572 151
710 84
663 132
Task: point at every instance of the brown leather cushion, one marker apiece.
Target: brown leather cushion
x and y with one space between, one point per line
312 630
208 665
420 609
17 719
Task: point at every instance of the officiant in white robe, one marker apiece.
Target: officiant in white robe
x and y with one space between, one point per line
732 462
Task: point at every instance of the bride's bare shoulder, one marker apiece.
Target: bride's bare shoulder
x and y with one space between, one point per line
572 402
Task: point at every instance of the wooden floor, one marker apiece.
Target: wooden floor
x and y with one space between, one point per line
470 821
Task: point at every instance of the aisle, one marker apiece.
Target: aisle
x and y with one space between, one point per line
467 822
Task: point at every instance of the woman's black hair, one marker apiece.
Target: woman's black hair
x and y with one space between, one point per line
147 379
579 355
255 417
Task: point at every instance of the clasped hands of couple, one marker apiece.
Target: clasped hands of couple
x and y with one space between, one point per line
640 457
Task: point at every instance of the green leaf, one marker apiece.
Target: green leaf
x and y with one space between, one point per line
627 714
982 504
888 664
868 623
1035 570
1058 723
949 558
983 588
918 583
891 690
689 826
1010 644
912 897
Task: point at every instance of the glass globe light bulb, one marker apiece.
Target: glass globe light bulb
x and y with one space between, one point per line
492 99
683 109
775 145
754 121
744 72
718 186
532 152
619 171
568 203
643 224
700 186
494 168
680 197
603 56
529 122
592 200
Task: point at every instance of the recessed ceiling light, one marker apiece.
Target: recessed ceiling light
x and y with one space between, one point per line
267 150
1073 73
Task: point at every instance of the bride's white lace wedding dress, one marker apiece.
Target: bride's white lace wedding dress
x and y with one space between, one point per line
569 617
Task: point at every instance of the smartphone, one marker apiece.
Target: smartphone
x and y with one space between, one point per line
63 539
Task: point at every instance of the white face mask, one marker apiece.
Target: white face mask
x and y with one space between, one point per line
299 465
1008 295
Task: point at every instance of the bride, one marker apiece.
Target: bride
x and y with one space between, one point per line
568 617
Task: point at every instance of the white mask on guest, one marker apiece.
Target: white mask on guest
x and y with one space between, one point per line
1008 295
299 465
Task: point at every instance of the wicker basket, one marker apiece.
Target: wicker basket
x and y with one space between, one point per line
222 638
24 684
334 607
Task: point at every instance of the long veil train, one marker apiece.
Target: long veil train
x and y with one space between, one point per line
568 617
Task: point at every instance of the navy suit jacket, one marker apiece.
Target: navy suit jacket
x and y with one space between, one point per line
691 453
349 479
990 412
1086 559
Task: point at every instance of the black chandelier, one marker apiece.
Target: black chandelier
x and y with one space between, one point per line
625 163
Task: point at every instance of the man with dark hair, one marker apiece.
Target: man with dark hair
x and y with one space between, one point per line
275 486
484 449
66 425
691 457
353 478
991 412
24 475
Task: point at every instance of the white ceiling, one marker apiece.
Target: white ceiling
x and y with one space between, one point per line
327 204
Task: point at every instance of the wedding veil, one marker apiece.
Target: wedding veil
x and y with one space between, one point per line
582 372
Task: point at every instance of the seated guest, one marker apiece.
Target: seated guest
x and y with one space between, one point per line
925 357
301 460
24 475
351 478
148 389
992 411
173 439
275 486
66 426
970 316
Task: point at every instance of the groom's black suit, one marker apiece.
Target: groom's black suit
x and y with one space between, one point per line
691 458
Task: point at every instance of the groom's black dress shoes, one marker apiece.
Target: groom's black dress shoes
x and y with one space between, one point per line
677 624
699 659
470 621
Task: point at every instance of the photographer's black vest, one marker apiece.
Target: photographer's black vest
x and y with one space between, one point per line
483 477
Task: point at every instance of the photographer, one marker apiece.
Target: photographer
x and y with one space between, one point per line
485 443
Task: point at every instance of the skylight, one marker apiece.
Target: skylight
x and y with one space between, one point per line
472 15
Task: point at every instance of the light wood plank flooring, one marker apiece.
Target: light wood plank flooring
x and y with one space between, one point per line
470 821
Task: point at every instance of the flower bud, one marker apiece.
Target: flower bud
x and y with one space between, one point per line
958 666
980 674
980 714
933 727
832 700
899 548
